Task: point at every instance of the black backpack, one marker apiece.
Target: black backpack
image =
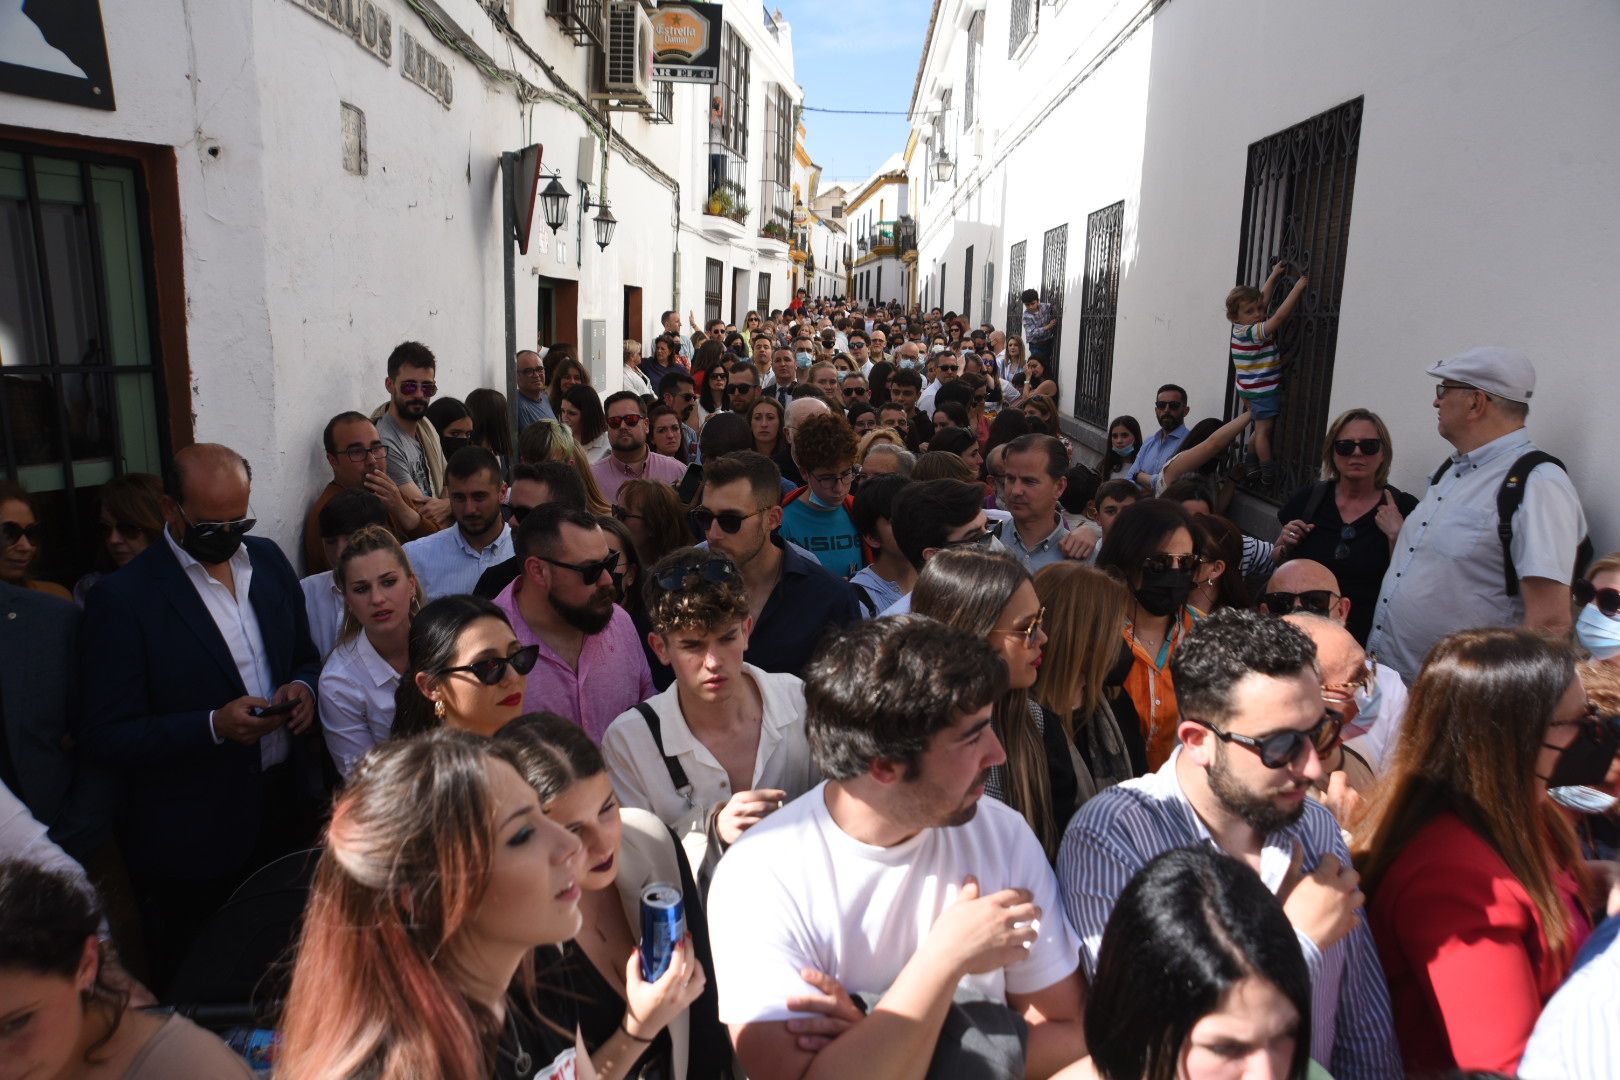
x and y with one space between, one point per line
1508 499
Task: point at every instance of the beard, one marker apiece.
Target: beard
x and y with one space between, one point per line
1259 812
590 617
1169 422
412 408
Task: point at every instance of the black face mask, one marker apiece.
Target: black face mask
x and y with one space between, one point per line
1164 592
208 546
451 443
1586 761
1122 667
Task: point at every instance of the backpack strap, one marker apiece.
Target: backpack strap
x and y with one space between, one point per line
1439 474
677 774
1319 492
1509 497
864 597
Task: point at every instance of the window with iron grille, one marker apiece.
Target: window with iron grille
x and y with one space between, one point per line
970 90
764 304
714 279
879 293
81 390
1054 256
1015 285
663 110
1025 17
967 283
1296 207
943 271
1099 304
734 64
989 291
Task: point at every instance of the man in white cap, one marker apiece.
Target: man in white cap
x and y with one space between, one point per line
1449 569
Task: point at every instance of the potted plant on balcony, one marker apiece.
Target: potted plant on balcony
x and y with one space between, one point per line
739 212
775 230
720 203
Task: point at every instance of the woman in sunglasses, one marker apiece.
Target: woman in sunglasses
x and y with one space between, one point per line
465 669
360 680
1349 519
1477 894
129 517
654 517
20 537
667 1028
990 595
1153 548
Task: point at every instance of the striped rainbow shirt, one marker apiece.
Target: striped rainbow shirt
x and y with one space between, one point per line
1256 361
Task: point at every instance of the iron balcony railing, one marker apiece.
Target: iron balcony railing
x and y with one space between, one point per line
776 209
728 195
582 20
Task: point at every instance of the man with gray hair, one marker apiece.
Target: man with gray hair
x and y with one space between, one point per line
1456 563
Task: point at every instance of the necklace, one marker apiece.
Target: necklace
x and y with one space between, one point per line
521 1062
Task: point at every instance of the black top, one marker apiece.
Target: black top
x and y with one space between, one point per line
807 601
529 1041
498 577
1357 552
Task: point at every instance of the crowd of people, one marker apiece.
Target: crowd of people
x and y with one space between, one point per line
968 758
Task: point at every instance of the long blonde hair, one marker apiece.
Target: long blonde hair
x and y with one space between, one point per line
1085 607
366 541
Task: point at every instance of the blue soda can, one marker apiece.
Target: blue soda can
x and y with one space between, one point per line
663 925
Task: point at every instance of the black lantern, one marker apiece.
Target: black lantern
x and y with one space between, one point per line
861 245
554 203
605 223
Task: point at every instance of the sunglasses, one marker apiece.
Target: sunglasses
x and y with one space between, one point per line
632 421
952 368
1441 388
490 672
1346 534
1027 633
591 571
515 514
12 532
686 397
739 388
1284 747
410 388
979 539
730 521
1346 692
123 528
715 571
360 453
621 514
1159 563
1316 601
855 391
205 529
1607 600
1368 447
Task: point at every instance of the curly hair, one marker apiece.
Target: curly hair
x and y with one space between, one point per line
708 593
822 441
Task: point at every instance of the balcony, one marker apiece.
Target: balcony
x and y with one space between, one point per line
582 20
905 236
725 210
775 211
877 242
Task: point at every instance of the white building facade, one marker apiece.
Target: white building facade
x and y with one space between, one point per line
286 189
873 218
1446 173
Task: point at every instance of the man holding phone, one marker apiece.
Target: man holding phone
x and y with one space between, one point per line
205 698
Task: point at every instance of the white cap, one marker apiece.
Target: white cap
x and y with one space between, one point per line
1503 373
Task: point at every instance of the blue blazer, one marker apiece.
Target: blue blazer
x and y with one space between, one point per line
156 666
38 692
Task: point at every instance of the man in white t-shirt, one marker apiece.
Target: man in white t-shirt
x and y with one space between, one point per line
894 877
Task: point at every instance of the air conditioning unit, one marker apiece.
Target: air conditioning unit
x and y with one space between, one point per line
627 68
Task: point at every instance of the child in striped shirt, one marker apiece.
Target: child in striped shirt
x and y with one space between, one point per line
1256 362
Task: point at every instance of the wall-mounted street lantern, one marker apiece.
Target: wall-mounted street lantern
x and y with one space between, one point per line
554 203
944 168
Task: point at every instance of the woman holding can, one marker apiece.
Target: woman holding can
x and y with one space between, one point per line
669 1027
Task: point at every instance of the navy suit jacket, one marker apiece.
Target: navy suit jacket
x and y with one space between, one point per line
38 690
156 666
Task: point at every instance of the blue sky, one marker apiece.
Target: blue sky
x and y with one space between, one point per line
855 54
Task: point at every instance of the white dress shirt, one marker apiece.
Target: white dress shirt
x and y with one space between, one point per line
447 565
323 604
357 701
238 624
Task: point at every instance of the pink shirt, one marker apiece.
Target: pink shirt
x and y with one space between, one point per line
611 473
612 675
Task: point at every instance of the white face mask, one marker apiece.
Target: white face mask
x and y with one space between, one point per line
1597 633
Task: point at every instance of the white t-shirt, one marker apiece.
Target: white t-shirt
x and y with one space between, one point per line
797 891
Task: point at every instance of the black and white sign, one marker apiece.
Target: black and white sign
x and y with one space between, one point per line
56 50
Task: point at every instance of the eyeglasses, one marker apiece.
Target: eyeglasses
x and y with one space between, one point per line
979 539
621 514
361 453
1593 724
1168 406
1159 563
632 421
1029 632
591 571
715 571
1368 447
524 372
1316 601
730 521
1344 693
490 672
1284 747
1607 600
410 388
978 399
11 532
834 478
1440 389
239 527
1346 534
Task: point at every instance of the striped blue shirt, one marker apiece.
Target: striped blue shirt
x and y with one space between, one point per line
447 565
1119 831
1578 1035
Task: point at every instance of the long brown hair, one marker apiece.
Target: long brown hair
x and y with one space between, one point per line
407 860
662 516
1085 607
1474 726
969 589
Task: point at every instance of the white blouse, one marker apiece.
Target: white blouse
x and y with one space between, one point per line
357 701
